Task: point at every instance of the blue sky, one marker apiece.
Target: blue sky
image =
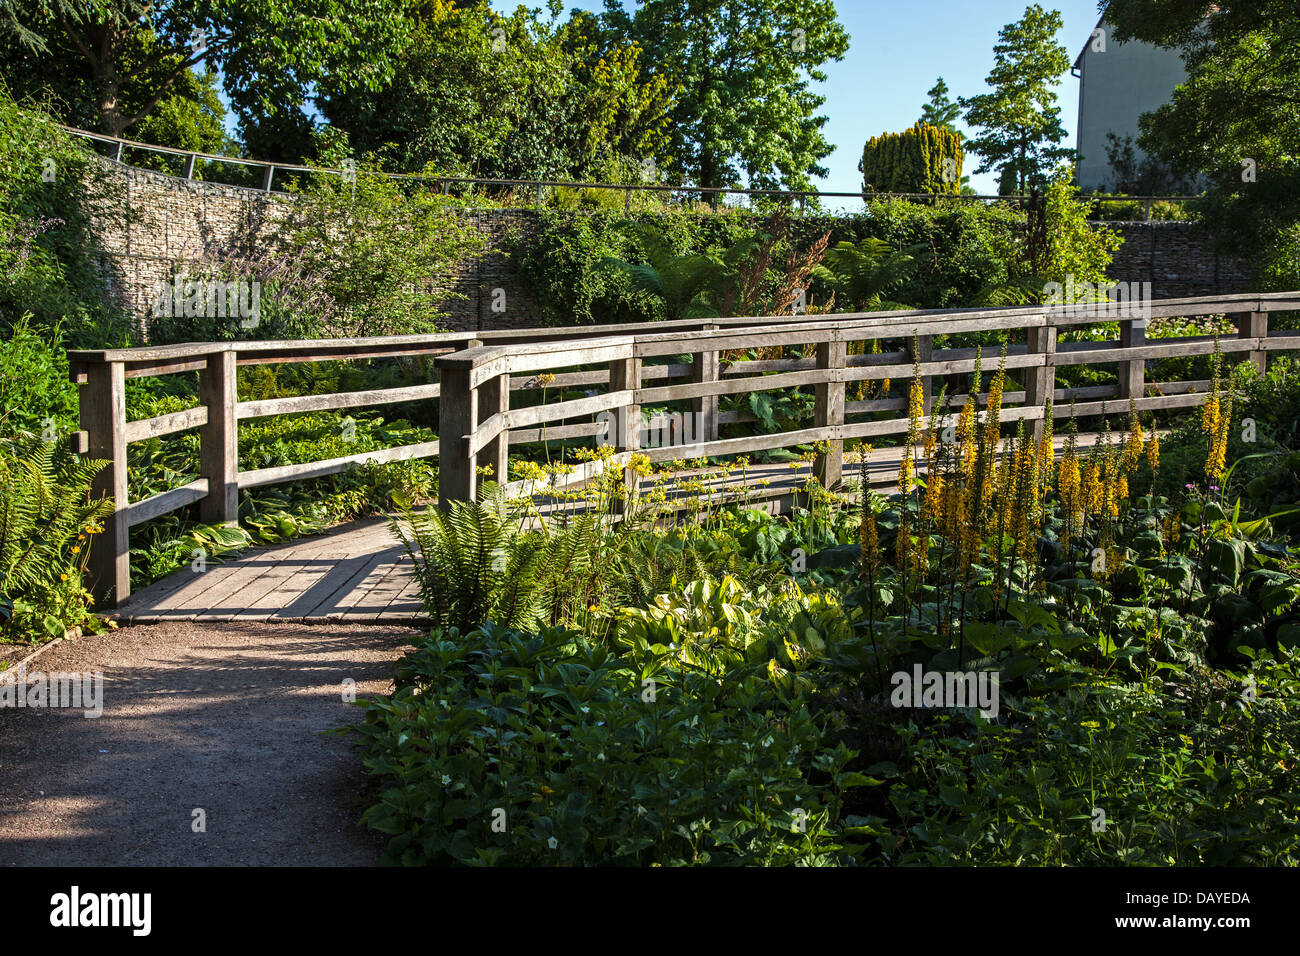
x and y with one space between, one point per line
897 49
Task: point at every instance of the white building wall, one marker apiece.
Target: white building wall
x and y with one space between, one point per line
1115 88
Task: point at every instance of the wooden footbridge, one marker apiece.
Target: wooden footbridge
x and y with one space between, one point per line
356 572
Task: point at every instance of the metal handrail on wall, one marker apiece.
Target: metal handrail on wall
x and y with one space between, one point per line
627 189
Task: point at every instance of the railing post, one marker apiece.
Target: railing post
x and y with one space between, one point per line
1132 372
457 415
625 375
704 368
1254 325
828 410
102 402
1040 386
493 399
219 440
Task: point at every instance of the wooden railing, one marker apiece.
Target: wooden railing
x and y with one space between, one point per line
105 430
478 372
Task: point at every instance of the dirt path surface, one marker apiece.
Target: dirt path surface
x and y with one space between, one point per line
223 717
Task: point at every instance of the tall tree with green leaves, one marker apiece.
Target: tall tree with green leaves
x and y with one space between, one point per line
1019 122
269 53
744 72
939 110
508 97
1236 119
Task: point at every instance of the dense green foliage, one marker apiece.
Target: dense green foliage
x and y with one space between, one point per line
51 195
864 275
1145 713
509 97
117 61
923 159
1019 124
963 251
743 72
509 748
1234 121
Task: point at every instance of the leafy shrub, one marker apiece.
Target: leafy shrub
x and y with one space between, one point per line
55 197
35 389
964 250
913 161
719 627
509 748
1162 210
1206 782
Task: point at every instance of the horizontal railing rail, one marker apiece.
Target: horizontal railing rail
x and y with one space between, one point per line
639 366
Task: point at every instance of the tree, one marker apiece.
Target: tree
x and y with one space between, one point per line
1235 121
923 159
1076 253
743 71
940 110
268 53
507 98
1019 123
1143 175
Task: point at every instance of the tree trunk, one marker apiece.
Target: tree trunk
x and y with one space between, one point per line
708 169
110 113
107 81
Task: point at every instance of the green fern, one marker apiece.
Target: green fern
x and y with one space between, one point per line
864 275
476 562
45 514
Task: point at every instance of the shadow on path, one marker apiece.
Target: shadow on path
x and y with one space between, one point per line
226 718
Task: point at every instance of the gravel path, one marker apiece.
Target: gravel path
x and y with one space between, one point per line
220 717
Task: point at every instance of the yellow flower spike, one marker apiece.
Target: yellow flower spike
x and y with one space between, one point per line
1135 439
966 438
869 541
932 508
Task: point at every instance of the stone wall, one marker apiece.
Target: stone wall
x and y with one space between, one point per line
169 220
1177 258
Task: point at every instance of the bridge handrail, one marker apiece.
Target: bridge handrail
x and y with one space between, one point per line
478 371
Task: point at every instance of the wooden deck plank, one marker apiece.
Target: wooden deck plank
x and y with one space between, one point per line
351 607
230 598
338 581
371 604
